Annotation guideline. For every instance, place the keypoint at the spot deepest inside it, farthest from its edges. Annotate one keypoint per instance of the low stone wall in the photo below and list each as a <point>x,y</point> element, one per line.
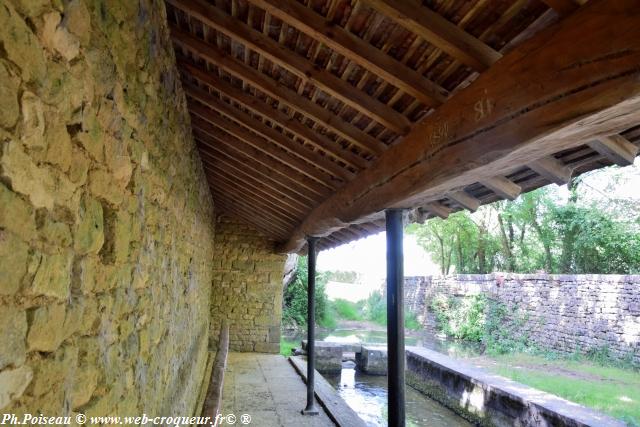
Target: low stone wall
<point>247,288</point>
<point>565,313</point>
<point>490,400</point>
<point>106,219</point>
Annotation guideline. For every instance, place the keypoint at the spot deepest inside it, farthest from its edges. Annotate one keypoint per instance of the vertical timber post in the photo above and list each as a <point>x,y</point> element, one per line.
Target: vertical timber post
<point>395,317</point>
<point>311,329</point>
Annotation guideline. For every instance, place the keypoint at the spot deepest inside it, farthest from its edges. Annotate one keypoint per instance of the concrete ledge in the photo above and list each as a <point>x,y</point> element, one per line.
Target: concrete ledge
<point>347,347</point>
<point>337,409</point>
<point>372,360</point>
<point>328,357</point>
<point>491,400</point>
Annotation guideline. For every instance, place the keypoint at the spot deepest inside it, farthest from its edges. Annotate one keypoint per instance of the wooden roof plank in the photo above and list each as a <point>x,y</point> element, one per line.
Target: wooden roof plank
<point>438,31</point>
<point>294,63</point>
<point>438,209</point>
<point>267,132</point>
<point>251,216</point>
<point>355,49</point>
<point>547,95</point>
<point>616,148</point>
<point>277,116</point>
<point>562,7</point>
<point>279,91</point>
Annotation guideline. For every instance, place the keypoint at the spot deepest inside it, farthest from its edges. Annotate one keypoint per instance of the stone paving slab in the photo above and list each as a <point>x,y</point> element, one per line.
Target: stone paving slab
<point>266,387</point>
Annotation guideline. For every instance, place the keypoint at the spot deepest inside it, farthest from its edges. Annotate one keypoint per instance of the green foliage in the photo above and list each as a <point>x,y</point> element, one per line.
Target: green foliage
<point>537,231</point>
<point>343,276</point>
<point>286,346</point>
<point>504,332</point>
<point>346,309</point>
<point>375,310</point>
<point>294,312</point>
<point>461,318</point>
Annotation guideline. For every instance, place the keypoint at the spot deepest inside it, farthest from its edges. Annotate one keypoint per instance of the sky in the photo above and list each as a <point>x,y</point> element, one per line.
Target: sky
<point>368,256</point>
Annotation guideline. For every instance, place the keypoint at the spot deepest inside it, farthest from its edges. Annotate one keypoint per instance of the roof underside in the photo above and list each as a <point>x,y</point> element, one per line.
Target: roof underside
<point>291,100</point>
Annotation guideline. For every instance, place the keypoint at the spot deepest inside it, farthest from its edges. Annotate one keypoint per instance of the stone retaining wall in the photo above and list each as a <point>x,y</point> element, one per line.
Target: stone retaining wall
<point>565,313</point>
<point>247,288</point>
<point>106,219</point>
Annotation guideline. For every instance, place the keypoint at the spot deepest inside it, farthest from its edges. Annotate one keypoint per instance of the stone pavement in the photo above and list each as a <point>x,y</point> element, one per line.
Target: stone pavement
<point>266,387</point>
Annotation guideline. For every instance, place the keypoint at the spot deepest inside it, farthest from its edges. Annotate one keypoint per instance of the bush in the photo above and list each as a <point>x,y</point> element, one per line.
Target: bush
<point>294,310</point>
<point>375,310</point>
<point>461,318</point>
<point>346,309</point>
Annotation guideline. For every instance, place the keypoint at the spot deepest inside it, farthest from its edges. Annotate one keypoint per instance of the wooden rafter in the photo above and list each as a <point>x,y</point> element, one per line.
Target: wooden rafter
<point>355,49</point>
<point>274,115</point>
<point>552,169</point>
<point>617,148</point>
<point>438,31</point>
<point>294,63</point>
<point>502,187</point>
<point>548,94</point>
<point>204,130</point>
<point>279,91</point>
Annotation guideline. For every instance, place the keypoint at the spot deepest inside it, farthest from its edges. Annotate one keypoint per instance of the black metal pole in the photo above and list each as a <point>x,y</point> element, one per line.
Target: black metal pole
<point>395,317</point>
<point>311,330</point>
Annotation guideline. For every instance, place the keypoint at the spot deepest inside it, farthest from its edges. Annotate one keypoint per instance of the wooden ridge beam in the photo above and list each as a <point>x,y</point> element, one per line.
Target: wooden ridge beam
<point>265,131</point>
<point>502,187</point>
<point>355,49</point>
<point>465,200</point>
<point>272,114</point>
<point>231,166</point>
<point>265,146</point>
<point>616,148</point>
<point>279,92</point>
<point>257,197</point>
<point>551,169</point>
<point>547,95</point>
<point>438,31</point>
<point>295,63</point>
<point>210,146</point>
<point>202,127</point>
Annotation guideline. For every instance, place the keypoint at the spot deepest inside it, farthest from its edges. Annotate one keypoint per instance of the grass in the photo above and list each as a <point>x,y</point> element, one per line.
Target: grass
<point>286,346</point>
<point>612,390</point>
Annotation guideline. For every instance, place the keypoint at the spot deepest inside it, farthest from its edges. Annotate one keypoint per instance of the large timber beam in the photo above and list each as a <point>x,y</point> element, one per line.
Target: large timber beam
<point>549,94</point>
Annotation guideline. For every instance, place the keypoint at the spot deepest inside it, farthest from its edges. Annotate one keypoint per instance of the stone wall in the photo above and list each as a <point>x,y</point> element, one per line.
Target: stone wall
<point>106,220</point>
<point>247,288</point>
<point>564,313</point>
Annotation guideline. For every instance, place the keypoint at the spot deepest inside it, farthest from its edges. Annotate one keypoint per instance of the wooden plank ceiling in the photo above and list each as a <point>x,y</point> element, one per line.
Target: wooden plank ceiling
<point>292,100</point>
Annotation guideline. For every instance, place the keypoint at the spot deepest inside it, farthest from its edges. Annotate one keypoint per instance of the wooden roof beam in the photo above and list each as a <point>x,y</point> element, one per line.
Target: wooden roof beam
<point>502,187</point>
<point>210,146</point>
<point>279,91</point>
<point>438,209</point>
<point>551,169</point>
<point>203,129</point>
<point>438,31</point>
<point>355,49</point>
<point>232,166</point>
<point>616,148</point>
<point>548,94</point>
<point>272,114</point>
<point>562,7</point>
<point>267,132</point>
<point>264,145</point>
<point>295,63</point>
<point>465,200</point>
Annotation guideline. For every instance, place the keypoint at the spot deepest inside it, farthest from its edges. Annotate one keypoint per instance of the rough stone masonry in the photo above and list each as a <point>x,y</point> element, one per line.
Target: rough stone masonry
<point>106,218</point>
<point>565,313</point>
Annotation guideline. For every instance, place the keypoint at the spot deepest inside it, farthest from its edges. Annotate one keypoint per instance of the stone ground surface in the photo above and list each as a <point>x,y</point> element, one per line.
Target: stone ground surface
<point>266,387</point>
